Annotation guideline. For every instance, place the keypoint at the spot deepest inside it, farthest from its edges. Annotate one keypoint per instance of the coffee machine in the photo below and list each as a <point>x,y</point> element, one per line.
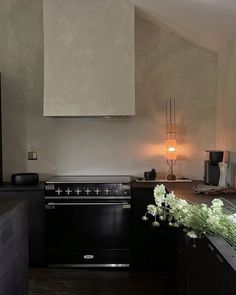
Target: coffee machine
<point>211,166</point>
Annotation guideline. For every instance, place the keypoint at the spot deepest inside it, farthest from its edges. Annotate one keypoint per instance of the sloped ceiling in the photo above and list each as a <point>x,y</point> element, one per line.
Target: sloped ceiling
<point>208,23</point>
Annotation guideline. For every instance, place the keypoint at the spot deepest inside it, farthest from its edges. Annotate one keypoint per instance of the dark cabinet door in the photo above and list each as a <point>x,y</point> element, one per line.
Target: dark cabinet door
<point>36,222</point>
<point>216,273</point>
<point>1,173</point>
<point>202,269</point>
<point>152,247</point>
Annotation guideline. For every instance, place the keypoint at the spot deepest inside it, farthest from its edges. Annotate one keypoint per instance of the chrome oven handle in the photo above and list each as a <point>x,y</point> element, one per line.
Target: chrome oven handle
<point>51,205</point>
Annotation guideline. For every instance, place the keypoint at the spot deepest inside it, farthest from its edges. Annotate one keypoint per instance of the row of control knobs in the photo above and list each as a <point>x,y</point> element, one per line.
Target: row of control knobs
<point>87,191</point>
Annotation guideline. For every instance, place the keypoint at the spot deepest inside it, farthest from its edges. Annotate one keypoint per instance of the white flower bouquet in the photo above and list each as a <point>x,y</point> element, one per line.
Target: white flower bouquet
<point>197,219</point>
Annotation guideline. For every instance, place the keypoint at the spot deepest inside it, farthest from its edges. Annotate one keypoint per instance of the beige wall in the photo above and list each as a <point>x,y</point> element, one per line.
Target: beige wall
<point>226,105</point>
<point>88,58</point>
<point>166,66</point>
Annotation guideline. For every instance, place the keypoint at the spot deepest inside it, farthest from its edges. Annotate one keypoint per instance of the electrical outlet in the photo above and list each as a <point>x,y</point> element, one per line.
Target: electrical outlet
<point>32,155</point>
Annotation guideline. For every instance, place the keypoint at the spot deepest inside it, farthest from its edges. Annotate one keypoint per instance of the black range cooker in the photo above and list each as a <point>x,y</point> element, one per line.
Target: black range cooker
<point>88,221</point>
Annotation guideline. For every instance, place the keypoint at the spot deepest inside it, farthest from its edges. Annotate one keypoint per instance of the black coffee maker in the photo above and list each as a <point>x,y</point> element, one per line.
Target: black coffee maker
<point>211,167</point>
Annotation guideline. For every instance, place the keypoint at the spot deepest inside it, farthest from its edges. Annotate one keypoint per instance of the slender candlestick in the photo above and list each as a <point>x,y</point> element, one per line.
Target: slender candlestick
<point>166,113</point>
<point>174,111</point>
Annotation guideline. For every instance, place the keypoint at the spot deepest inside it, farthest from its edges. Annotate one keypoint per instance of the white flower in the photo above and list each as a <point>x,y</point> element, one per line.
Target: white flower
<point>233,217</point>
<point>213,220</point>
<point>159,190</point>
<point>217,203</point>
<point>175,224</point>
<point>192,234</point>
<point>204,207</point>
<point>196,219</point>
<point>170,199</point>
<point>152,209</point>
<point>159,194</point>
<point>182,203</point>
<point>144,218</point>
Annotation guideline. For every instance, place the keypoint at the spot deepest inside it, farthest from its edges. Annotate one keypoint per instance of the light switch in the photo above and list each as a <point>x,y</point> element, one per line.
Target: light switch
<point>32,155</point>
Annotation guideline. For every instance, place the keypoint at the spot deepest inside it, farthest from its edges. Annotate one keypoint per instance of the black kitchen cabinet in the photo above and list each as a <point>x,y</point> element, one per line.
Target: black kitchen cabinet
<point>13,247</point>
<point>207,269</point>
<point>203,269</point>
<point>34,195</point>
<point>151,247</point>
<point>1,172</point>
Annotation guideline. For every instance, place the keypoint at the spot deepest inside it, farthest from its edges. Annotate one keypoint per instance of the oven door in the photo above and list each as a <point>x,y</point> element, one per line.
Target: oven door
<point>88,233</point>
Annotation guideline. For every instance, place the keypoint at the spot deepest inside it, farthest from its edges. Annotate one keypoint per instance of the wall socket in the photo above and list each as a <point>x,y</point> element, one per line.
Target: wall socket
<point>32,155</point>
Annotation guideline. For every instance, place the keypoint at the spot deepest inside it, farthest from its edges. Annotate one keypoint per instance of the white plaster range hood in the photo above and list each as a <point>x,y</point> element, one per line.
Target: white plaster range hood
<point>88,58</point>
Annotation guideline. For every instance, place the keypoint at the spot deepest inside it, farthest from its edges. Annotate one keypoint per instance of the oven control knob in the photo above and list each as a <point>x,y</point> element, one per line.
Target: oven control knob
<point>97,191</point>
<point>116,191</point>
<point>106,191</point>
<point>78,191</point>
<point>58,191</point>
<point>87,191</point>
<point>68,191</point>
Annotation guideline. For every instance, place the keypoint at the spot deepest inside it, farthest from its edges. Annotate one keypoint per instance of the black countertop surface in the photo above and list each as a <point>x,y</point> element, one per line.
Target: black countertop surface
<point>184,190</point>
<point>8,186</point>
<point>7,204</point>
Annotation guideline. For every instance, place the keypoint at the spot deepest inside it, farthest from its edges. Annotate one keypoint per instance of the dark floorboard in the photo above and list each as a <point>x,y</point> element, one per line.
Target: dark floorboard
<point>99,281</point>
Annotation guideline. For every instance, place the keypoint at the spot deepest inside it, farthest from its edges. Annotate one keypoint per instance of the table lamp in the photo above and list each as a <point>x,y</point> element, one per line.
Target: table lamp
<point>170,137</point>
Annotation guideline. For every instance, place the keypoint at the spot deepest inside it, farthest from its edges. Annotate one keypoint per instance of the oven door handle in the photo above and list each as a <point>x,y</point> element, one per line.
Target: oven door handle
<point>125,205</point>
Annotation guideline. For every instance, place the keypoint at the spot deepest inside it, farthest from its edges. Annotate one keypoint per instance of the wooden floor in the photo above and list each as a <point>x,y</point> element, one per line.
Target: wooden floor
<point>99,282</point>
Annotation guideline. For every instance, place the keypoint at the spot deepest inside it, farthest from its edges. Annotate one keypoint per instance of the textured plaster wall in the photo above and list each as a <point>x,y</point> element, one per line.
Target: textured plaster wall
<point>166,65</point>
<point>88,57</point>
<point>226,105</point>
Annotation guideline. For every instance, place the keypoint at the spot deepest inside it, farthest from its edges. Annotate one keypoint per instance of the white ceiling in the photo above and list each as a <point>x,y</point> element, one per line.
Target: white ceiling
<point>208,23</point>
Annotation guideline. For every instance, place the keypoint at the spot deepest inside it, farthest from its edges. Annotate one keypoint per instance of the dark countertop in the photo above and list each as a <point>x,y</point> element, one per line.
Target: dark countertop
<point>184,190</point>
<point>7,186</point>
<point>7,204</point>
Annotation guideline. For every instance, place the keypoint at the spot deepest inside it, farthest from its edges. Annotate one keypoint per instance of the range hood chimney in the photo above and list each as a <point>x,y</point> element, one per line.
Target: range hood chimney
<point>88,58</point>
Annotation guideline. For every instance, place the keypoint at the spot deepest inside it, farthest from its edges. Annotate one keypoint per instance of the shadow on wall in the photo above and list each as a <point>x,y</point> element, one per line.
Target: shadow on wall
<point>14,121</point>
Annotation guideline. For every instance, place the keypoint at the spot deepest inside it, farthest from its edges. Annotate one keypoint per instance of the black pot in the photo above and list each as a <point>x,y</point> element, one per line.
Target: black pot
<point>150,175</point>
<point>25,178</point>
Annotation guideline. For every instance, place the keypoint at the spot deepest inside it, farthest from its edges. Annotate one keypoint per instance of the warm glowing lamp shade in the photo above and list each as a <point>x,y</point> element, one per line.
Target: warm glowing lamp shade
<point>171,145</point>
<point>171,149</point>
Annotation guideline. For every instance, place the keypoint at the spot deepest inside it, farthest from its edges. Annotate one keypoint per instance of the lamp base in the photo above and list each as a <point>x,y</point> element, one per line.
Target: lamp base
<point>171,177</point>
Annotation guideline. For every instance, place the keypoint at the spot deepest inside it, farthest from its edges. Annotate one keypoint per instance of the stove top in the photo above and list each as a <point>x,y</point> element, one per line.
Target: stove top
<point>90,179</point>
